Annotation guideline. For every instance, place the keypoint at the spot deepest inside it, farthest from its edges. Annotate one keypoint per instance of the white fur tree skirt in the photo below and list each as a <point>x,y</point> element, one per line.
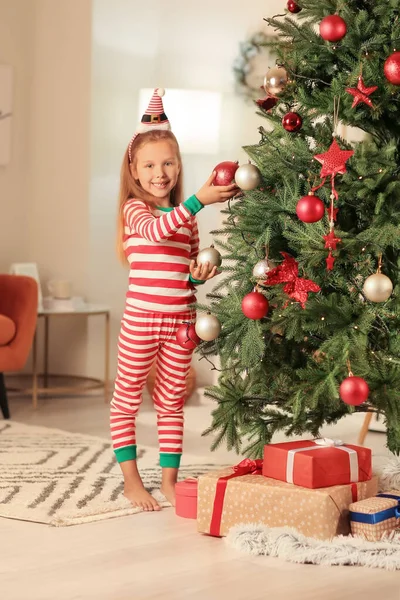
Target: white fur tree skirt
<point>290,545</point>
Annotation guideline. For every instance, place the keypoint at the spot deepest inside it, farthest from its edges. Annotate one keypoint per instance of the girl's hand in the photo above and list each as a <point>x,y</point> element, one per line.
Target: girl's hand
<point>202,272</point>
<point>210,194</point>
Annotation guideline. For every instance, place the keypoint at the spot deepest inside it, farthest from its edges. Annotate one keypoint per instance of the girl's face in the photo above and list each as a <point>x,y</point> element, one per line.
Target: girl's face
<point>157,168</point>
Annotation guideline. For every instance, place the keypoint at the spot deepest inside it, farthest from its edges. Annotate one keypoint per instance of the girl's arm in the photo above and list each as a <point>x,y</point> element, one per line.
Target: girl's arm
<point>194,241</point>
<point>139,218</point>
<point>194,250</point>
<point>156,229</point>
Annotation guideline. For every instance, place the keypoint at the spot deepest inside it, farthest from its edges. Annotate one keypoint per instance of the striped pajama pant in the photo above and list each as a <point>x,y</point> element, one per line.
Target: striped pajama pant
<point>145,337</point>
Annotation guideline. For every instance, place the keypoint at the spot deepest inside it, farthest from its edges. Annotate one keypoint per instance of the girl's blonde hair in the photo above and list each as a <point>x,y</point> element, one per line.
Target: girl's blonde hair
<point>131,188</point>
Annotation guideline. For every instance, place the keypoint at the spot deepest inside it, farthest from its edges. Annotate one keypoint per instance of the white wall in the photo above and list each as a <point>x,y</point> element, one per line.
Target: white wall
<point>172,44</point>
<point>16,37</point>
<point>44,190</point>
<point>74,74</point>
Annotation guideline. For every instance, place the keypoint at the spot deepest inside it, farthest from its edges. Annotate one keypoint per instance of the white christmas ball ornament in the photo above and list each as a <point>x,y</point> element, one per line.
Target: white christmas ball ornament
<point>208,327</point>
<point>248,177</point>
<point>377,287</point>
<point>210,255</point>
<point>261,268</point>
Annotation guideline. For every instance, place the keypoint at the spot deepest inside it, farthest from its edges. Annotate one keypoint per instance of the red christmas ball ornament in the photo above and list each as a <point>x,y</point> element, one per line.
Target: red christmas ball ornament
<point>332,28</point>
<point>391,68</point>
<point>225,172</point>
<point>354,390</point>
<point>310,208</point>
<point>186,336</point>
<point>293,7</point>
<point>255,306</point>
<point>292,122</point>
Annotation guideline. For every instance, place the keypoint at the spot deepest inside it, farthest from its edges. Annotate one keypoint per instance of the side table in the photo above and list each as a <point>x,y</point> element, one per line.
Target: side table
<point>84,384</point>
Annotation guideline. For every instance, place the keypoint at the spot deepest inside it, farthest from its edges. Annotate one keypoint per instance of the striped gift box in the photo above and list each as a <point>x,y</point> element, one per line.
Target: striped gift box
<point>377,517</point>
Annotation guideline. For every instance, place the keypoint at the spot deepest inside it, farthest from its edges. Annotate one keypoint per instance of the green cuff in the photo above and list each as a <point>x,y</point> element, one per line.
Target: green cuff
<point>196,281</point>
<point>193,204</point>
<point>170,460</point>
<point>125,453</point>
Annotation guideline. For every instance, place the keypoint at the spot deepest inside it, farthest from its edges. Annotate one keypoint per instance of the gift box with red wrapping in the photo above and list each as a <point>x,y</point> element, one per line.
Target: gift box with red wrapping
<point>317,464</point>
<point>241,495</point>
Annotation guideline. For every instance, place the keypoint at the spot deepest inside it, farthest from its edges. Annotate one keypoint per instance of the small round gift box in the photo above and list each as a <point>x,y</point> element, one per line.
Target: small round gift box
<point>377,517</point>
<point>186,498</point>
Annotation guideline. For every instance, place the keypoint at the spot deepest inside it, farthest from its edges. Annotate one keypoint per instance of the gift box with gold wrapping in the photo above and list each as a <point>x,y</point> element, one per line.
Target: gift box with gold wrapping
<point>241,495</point>
<point>376,518</point>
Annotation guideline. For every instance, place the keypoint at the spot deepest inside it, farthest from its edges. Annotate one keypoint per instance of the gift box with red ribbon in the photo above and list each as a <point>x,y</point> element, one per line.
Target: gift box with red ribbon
<point>241,495</point>
<point>318,463</point>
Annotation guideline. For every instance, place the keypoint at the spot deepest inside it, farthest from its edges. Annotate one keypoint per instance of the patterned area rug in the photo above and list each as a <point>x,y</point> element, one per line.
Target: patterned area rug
<point>59,478</point>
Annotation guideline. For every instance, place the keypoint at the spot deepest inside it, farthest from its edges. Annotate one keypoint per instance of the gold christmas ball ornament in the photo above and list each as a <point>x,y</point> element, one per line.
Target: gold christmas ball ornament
<point>377,287</point>
<point>261,269</point>
<point>208,327</point>
<point>248,177</point>
<point>276,80</point>
<point>210,255</point>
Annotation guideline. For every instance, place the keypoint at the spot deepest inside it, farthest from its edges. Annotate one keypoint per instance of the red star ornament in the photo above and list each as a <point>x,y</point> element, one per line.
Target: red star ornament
<point>331,241</point>
<point>330,261</point>
<point>296,287</point>
<point>334,160</point>
<point>361,93</point>
<point>332,213</point>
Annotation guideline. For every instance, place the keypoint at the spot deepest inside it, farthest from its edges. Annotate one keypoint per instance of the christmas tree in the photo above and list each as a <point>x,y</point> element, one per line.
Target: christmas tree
<point>309,302</point>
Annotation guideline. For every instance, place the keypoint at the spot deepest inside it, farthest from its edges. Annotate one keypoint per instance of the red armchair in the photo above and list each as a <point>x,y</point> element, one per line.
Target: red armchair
<point>18,315</point>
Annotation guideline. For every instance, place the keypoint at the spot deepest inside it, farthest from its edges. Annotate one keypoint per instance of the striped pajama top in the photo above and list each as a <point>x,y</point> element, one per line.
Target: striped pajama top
<point>159,244</point>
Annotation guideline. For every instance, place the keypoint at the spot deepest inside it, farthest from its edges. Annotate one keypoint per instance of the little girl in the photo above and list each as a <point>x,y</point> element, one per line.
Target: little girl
<point>158,237</point>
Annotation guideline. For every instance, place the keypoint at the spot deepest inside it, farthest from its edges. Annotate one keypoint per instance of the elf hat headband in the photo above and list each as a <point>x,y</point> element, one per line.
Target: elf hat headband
<point>153,118</point>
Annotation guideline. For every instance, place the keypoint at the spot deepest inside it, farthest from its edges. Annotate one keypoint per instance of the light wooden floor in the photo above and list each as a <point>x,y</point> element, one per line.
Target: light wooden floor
<point>148,556</point>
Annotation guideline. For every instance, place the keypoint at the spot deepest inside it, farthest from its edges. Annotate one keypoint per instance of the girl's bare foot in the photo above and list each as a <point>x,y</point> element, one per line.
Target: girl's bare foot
<point>139,497</point>
<point>169,479</point>
<point>133,487</point>
<point>168,490</point>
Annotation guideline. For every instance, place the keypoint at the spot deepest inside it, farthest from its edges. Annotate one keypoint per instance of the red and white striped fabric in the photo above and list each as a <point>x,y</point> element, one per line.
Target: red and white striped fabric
<point>143,337</point>
<point>159,245</point>
<point>156,106</point>
<point>158,119</point>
